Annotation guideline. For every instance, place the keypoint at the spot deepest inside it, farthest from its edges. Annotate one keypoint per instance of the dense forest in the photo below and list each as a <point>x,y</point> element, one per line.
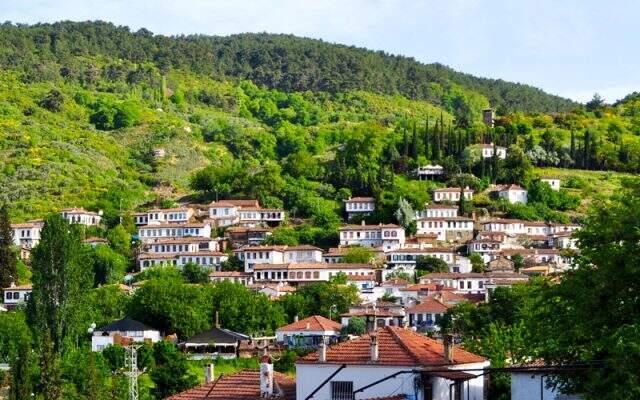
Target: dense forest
<point>283,62</point>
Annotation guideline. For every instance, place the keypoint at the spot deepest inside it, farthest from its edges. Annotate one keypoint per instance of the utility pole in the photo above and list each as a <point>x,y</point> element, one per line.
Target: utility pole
<point>131,369</point>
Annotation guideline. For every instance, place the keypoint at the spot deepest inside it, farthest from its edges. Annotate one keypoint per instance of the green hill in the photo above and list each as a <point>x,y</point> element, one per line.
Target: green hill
<point>85,106</point>
<point>283,62</point>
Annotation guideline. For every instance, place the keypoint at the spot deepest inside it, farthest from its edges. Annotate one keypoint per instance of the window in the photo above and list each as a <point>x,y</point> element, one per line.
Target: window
<point>342,390</point>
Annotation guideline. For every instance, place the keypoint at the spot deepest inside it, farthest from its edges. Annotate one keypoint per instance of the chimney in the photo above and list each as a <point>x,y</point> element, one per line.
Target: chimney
<point>322,351</point>
<point>308,327</point>
<point>448,348</point>
<point>217,320</point>
<point>374,347</point>
<point>362,223</point>
<point>295,318</point>
<point>266,376</point>
<point>208,373</point>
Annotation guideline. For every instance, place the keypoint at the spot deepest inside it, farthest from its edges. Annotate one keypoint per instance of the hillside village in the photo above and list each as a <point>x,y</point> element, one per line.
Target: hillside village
<point>271,217</point>
<point>405,285</point>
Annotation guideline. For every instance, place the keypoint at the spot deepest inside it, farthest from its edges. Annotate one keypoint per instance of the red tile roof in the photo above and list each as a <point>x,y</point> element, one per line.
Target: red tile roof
<point>313,323</point>
<point>428,305</point>
<point>397,346</point>
<point>244,385</point>
<point>360,200</point>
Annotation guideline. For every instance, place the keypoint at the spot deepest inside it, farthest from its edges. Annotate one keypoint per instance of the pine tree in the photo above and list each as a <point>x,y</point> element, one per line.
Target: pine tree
<point>8,259</point>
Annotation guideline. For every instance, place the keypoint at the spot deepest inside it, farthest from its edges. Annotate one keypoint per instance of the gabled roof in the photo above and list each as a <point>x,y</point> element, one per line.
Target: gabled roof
<point>397,346</point>
<point>218,336</point>
<point>395,282</point>
<point>19,287</point>
<point>428,305</point>
<point>512,187</point>
<point>452,189</point>
<point>355,227</point>
<point>125,325</point>
<point>243,385</point>
<point>313,323</point>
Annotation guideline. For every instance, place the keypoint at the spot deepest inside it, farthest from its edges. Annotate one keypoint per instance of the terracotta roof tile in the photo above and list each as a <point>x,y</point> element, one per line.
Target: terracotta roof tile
<point>313,323</point>
<point>397,346</point>
<point>428,305</point>
<point>244,385</point>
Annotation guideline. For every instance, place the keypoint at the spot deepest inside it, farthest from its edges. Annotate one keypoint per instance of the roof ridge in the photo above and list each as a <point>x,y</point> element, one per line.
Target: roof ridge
<point>396,337</point>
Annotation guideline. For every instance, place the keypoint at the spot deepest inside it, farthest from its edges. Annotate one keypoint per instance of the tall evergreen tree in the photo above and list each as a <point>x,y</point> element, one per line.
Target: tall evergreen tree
<point>586,161</point>
<point>21,384</point>
<point>57,302</point>
<point>426,138</point>
<point>435,147</point>
<point>405,143</point>
<point>573,146</point>
<point>414,142</point>
<point>8,258</point>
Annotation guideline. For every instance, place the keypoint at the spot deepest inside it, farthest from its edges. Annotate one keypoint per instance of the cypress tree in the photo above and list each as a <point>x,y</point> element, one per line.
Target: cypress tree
<point>8,259</point>
<point>405,143</point>
<point>21,384</point>
<point>414,142</point>
<point>426,138</point>
<point>573,145</point>
<point>586,161</point>
<point>435,148</point>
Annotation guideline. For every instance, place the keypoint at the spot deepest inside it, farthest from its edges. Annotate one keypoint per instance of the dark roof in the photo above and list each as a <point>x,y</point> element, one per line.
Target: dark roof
<point>218,336</point>
<point>125,325</point>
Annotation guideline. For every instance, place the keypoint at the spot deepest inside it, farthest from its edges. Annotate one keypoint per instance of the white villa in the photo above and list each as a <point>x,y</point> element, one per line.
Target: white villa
<point>473,282</point>
<point>81,216</point>
<point>438,211</point>
<point>254,255</point>
<point>389,236</point>
<point>148,233</point>
<point>508,226</point>
<point>307,272</point>
<point>361,369</point>
<point>27,234</point>
<point>513,194</point>
<point>242,212</point>
<point>208,259</point>
<point>446,228</point>
<point>123,332</point>
<point>16,295</point>
<point>359,206</point>
<point>179,215</point>
<point>451,194</point>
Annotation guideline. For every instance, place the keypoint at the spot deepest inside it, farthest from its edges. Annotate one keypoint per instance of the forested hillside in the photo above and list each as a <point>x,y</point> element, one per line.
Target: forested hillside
<point>96,116</point>
<point>283,62</point>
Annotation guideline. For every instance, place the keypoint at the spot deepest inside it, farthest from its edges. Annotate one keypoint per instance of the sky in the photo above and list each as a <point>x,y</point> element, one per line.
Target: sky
<point>573,48</point>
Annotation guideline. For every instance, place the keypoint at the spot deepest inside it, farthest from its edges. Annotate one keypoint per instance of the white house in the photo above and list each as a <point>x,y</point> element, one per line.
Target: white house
<point>149,233</point>
<point>240,277</point>
<point>487,151</point>
<point>438,211</point>
<point>507,226</point>
<point>15,295</point>
<point>123,332</point>
<point>513,194</point>
<point>302,254</point>
<point>178,215</point>
<point>389,236</point>
<point>553,182</point>
<point>254,255</point>
<point>451,194</point>
<point>27,234</point>
<point>359,206</point>
<point>427,171</point>
<point>188,244</point>
<point>426,314</point>
<point>391,361</point>
<point>81,216</point>
<point>207,259</point>
<point>406,258</point>
<point>244,212</point>
<point>308,332</point>
<point>307,272</point>
<point>473,282</point>
<point>449,229</point>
